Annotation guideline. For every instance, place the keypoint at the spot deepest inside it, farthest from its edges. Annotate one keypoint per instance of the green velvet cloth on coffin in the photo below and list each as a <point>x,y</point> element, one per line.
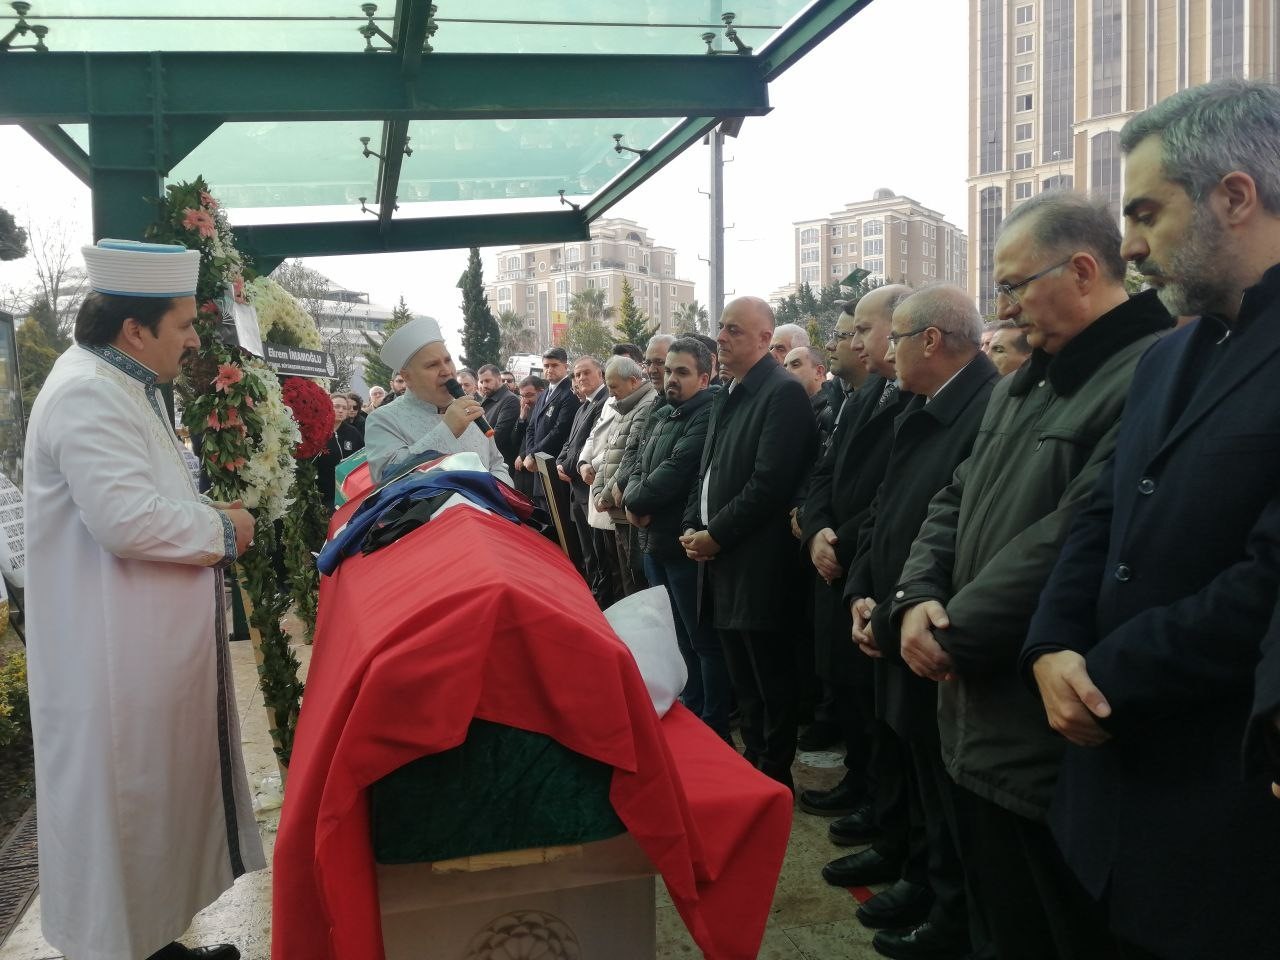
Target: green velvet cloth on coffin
<point>501,789</point>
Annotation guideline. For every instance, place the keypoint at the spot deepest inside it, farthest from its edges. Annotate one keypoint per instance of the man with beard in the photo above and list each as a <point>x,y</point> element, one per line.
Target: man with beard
<point>502,410</point>
<point>655,499</point>
<point>1147,636</point>
<point>984,553</point>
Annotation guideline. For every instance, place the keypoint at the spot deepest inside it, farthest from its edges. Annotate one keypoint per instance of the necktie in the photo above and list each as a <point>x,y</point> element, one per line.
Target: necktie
<point>890,391</point>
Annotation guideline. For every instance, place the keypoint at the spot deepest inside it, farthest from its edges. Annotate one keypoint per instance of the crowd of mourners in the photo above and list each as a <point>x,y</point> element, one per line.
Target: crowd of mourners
<point>1022,574</point>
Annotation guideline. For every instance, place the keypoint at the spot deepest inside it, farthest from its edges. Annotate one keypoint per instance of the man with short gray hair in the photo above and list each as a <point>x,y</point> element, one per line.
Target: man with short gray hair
<point>1146,640</point>
<point>970,584</point>
<point>786,337</point>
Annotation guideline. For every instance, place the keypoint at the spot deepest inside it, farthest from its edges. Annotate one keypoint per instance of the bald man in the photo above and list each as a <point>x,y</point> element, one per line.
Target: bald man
<point>760,440</point>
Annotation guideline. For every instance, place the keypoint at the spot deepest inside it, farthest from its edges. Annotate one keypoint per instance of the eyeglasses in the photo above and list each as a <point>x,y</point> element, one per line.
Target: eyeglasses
<point>893,338</point>
<point>1008,289</point>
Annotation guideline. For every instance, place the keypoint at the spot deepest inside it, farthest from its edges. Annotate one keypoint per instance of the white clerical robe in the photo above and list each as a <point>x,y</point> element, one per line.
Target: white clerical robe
<point>145,811</point>
<point>397,434</point>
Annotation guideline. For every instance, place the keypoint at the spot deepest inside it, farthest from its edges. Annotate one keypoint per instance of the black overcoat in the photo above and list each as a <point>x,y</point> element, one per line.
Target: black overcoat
<point>1166,584</point>
<point>761,439</point>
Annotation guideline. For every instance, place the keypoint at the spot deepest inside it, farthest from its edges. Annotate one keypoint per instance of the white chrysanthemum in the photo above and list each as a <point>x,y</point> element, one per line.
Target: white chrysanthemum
<point>279,310</point>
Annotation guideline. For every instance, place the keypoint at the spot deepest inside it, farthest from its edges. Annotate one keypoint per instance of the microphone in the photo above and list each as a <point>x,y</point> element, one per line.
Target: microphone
<point>456,391</point>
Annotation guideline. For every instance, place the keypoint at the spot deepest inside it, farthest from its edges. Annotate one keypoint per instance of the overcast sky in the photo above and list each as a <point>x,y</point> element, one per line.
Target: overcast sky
<point>880,103</point>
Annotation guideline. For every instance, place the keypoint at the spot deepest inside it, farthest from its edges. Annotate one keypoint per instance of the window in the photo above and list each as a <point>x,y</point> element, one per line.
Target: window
<point>645,261</point>
<point>528,307</point>
<point>837,230</point>
<point>1108,54</point>
<point>809,235</point>
<point>809,274</point>
<point>562,286</point>
<point>667,258</point>
<point>1022,191</point>
<point>870,247</point>
<point>904,246</point>
<point>991,76</point>
<point>595,264</point>
<point>562,303</point>
<point>1022,131</point>
<point>837,249</point>
<point>631,253</point>
<point>575,254</point>
<point>504,294</point>
<point>837,269</point>
<point>591,283</point>
<point>513,263</point>
<point>1024,73</point>
<point>809,256</point>
<point>1022,161</point>
<point>872,228</point>
<point>1025,43</point>
<point>1024,14</point>
<point>671,289</point>
<point>1022,102</point>
<point>875,266</point>
<point>595,249</point>
<point>1057,88</point>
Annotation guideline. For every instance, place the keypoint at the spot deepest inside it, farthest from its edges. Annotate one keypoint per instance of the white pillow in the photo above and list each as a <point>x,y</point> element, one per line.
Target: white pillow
<point>645,623</point>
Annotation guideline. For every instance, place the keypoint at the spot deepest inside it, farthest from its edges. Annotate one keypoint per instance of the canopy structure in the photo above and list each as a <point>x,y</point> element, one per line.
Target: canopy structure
<point>365,108</point>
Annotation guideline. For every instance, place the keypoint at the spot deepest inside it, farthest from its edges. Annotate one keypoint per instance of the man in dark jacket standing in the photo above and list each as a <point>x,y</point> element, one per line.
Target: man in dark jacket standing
<point>588,378</point>
<point>502,410</point>
<point>550,419</point>
<point>1145,644</point>
<point>839,497</point>
<point>985,552</point>
<point>760,440</point>
<point>934,346</point>
<point>655,499</point>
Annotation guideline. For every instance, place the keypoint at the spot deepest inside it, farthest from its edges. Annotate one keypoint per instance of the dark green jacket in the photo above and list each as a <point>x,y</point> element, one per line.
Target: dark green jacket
<point>666,469</point>
<point>991,539</point>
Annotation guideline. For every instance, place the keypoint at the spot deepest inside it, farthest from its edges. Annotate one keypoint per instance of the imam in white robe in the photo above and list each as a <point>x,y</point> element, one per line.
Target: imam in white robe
<point>396,436</point>
<point>145,811</point>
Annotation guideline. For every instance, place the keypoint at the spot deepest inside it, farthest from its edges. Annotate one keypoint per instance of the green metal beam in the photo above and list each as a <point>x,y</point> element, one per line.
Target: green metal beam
<point>65,150</point>
<point>271,243</point>
<point>412,20</point>
<point>812,27</point>
<point>244,86</point>
<point>655,158</point>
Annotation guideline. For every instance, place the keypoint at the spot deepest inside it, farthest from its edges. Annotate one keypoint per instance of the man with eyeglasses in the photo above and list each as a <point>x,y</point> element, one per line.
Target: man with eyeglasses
<point>975,572</point>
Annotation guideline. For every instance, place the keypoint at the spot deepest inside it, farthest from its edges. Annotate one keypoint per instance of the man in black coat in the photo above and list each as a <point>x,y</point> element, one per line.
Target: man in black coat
<point>588,379</point>
<point>502,410</point>
<point>839,497</point>
<point>1146,640</point>
<point>935,348</point>
<point>759,442</point>
<point>1262,743</point>
<point>550,419</point>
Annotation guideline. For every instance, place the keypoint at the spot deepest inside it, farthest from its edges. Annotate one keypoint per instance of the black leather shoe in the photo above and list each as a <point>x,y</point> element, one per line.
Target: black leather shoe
<point>819,735</point>
<point>861,869</point>
<point>903,904</point>
<point>841,800</point>
<point>925,942</point>
<point>857,828</point>
<point>177,951</point>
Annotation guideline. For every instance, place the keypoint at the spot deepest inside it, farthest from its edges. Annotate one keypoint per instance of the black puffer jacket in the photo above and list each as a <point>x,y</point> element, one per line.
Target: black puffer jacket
<point>666,471</point>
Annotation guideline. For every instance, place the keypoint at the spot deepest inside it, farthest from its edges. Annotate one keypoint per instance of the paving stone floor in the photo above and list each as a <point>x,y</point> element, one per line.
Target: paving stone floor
<point>809,919</point>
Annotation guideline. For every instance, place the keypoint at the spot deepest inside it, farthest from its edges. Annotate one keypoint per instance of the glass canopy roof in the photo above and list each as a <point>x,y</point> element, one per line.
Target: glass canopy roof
<point>465,26</point>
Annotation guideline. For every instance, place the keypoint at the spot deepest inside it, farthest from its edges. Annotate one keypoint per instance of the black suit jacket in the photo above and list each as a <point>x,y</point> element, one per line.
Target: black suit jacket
<point>929,441</point>
<point>550,420</point>
<point>1166,585</point>
<point>502,410</point>
<point>584,418</point>
<point>841,490</point>
<point>760,440</point>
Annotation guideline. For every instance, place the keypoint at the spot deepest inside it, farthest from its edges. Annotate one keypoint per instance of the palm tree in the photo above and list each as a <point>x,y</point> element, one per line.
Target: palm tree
<point>690,318</point>
<point>516,335</point>
<point>589,305</point>
<point>589,330</point>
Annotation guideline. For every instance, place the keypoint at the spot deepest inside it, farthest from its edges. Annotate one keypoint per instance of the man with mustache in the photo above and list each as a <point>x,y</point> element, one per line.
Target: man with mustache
<point>1147,637</point>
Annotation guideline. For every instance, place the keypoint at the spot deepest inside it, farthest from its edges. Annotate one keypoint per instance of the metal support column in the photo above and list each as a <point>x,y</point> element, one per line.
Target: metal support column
<point>715,299</point>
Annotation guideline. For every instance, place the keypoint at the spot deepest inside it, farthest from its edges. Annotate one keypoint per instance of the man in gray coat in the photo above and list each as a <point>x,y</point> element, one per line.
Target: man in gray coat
<point>985,551</point>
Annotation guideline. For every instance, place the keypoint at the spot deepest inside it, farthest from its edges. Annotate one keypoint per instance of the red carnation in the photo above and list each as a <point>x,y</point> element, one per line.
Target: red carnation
<point>313,411</point>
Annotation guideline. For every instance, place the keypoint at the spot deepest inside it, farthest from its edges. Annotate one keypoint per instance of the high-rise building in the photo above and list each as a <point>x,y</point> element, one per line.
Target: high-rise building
<point>537,281</point>
<point>895,238</point>
<point>1051,83</point>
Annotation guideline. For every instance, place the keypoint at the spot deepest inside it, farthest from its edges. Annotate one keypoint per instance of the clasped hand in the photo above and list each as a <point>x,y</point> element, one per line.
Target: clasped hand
<point>699,544</point>
<point>1071,701</point>
<point>863,635</point>
<point>920,649</point>
<point>823,554</point>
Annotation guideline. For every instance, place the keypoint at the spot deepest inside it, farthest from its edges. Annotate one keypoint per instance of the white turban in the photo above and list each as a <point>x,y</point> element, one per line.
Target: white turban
<point>127,268</point>
<point>408,340</point>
